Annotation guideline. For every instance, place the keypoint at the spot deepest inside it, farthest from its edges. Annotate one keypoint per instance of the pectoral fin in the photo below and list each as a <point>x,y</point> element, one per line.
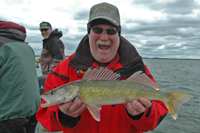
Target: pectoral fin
<point>95,111</point>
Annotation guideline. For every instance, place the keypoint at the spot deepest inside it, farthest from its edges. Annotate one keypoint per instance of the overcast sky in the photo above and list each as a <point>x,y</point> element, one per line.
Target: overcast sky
<point>157,28</point>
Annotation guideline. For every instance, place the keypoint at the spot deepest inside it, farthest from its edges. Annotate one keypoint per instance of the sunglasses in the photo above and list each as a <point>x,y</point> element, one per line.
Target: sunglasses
<point>43,30</point>
<point>99,30</point>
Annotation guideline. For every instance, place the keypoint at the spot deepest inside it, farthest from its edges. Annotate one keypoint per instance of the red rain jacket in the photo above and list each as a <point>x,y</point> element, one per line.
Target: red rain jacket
<point>114,118</point>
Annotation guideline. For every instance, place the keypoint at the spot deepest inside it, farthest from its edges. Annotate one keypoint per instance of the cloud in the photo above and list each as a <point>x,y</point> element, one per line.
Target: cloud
<point>82,15</point>
<point>181,7</point>
<point>160,28</point>
<point>173,34</point>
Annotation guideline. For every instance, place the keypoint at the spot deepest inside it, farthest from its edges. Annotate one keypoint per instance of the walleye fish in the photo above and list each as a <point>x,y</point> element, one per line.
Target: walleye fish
<point>101,86</point>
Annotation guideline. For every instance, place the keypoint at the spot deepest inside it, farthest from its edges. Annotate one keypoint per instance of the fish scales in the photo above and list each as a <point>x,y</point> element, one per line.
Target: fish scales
<point>108,91</point>
<point>105,92</point>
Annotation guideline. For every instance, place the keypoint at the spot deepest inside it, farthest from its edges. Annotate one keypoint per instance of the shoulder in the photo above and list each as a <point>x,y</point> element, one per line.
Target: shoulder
<point>127,71</point>
<point>54,42</point>
<point>63,67</point>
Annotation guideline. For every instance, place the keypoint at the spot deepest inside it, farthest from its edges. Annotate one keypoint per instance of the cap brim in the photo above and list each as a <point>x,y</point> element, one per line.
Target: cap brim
<point>44,28</point>
<point>106,18</point>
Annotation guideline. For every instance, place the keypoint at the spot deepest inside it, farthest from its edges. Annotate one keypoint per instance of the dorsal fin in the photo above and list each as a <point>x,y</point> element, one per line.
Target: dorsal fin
<point>142,78</point>
<point>100,74</point>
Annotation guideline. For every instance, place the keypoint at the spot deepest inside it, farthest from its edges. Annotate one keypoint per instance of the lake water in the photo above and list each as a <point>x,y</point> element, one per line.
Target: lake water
<point>178,76</point>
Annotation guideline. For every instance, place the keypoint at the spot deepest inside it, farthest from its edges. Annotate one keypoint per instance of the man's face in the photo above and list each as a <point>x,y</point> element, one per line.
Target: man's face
<point>45,33</point>
<point>103,46</point>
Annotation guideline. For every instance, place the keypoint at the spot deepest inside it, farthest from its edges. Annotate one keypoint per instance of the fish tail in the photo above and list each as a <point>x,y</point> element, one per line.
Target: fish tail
<point>176,100</point>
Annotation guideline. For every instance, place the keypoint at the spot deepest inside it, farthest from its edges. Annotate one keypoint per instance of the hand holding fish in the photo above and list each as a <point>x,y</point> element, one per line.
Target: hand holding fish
<point>136,107</point>
<point>73,110</point>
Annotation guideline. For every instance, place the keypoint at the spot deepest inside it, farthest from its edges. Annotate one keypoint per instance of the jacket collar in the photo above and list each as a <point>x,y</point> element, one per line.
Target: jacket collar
<point>82,59</point>
<point>54,33</point>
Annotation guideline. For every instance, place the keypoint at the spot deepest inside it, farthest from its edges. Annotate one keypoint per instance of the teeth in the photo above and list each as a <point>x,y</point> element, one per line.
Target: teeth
<point>107,43</point>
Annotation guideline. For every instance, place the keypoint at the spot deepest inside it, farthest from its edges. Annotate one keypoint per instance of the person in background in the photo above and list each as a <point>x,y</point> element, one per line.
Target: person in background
<point>102,46</point>
<point>53,51</point>
<point>19,89</point>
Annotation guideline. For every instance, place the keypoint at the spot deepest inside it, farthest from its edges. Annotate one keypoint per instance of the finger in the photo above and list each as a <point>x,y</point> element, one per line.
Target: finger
<point>138,106</point>
<point>147,103</point>
<point>63,107</point>
<point>77,112</point>
<point>75,105</point>
<point>131,109</point>
<point>127,100</point>
<point>125,104</point>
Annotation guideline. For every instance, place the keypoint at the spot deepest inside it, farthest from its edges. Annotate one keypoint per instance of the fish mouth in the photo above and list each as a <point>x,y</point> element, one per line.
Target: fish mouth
<point>48,102</point>
<point>51,103</point>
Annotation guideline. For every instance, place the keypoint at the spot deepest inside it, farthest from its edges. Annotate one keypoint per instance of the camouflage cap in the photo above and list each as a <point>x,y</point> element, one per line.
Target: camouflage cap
<point>45,25</point>
<point>105,11</point>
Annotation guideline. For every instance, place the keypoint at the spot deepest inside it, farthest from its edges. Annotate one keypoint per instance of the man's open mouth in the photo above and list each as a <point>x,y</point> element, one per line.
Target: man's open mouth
<point>103,47</point>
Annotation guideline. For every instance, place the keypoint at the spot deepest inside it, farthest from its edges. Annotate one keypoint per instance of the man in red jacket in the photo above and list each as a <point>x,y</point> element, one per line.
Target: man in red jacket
<point>102,46</point>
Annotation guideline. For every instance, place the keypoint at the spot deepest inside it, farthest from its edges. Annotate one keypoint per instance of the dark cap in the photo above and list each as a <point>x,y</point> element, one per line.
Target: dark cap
<point>45,25</point>
<point>105,11</point>
<point>11,25</point>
